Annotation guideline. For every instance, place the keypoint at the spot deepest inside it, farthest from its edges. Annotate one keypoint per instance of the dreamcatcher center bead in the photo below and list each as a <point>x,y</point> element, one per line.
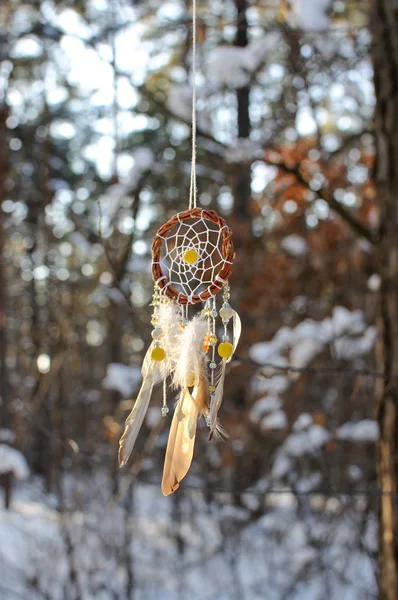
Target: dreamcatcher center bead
<point>191,256</point>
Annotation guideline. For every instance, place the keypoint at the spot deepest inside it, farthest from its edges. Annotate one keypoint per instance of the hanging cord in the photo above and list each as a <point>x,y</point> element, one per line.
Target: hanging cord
<point>192,190</point>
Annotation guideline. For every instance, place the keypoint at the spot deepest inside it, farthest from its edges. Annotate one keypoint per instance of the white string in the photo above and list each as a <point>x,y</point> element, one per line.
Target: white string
<point>192,190</point>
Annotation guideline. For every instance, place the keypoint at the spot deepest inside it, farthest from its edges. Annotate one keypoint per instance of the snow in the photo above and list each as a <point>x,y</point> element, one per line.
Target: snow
<point>179,103</point>
<point>276,420</point>
<point>345,321</point>
<point>346,329</point>
<point>264,405</point>
<point>143,161</point>
<point>288,551</point>
<point>274,385</point>
<point>310,15</point>
<point>303,421</point>
<point>244,150</point>
<point>349,348</point>
<point>302,354</point>
<point>294,245</point>
<point>7,436</point>
<point>111,200</point>
<point>233,67</point>
<point>365,430</point>
<point>78,240</point>
<point>306,442</point>
<point>11,460</point>
<point>374,282</point>
<point>121,378</point>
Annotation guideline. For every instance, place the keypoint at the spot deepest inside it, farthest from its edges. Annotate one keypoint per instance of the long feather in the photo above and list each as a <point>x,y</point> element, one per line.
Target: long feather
<point>220,378</point>
<point>189,355</point>
<point>180,444</point>
<point>134,420</point>
<point>153,372</point>
<point>237,330</point>
<point>217,399</point>
<point>169,321</point>
<point>200,394</point>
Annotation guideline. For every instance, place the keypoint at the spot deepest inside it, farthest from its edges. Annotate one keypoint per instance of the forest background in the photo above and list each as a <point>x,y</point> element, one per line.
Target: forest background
<point>298,151</point>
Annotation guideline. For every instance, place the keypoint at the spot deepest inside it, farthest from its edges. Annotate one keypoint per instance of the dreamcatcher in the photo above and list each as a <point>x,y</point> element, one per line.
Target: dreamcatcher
<point>192,257</point>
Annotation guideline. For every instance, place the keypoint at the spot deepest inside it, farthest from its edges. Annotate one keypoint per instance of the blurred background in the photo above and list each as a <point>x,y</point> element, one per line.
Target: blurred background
<point>95,108</point>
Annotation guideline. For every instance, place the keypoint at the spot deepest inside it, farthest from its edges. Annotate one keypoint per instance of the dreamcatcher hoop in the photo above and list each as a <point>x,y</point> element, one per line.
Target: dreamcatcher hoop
<point>227,252</point>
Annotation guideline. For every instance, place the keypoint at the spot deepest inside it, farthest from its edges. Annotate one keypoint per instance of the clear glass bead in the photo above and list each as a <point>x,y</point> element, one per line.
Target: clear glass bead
<point>157,333</point>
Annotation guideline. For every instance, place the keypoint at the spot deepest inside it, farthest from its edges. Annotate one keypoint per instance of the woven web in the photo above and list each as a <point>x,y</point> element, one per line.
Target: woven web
<point>203,236</point>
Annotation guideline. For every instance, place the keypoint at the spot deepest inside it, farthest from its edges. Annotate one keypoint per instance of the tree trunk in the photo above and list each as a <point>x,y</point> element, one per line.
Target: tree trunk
<point>4,416</point>
<point>242,190</point>
<point>385,56</point>
<point>6,480</point>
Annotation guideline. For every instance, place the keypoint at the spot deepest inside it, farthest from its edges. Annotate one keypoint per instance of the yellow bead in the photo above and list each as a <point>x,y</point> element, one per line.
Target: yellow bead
<point>191,256</point>
<point>212,388</point>
<point>158,353</point>
<point>191,380</point>
<point>225,349</point>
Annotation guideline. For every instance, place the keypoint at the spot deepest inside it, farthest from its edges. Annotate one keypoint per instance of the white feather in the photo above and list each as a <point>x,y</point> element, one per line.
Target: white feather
<point>153,372</point>
<point>217,399</point>
<point>134,420</point>
<point>189,356</point>
<point>220,377</point>
<point>237,330</point>
<point>170,323</point>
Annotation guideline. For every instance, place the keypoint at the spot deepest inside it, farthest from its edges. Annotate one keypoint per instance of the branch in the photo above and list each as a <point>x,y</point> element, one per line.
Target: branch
<point>356,225</point>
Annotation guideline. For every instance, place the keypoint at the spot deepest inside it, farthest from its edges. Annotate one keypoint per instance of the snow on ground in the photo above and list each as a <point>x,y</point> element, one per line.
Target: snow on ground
<point>185,549</point>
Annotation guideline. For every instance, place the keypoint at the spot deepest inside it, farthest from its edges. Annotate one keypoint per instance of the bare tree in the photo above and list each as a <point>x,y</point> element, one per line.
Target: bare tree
<point>385,24</point>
